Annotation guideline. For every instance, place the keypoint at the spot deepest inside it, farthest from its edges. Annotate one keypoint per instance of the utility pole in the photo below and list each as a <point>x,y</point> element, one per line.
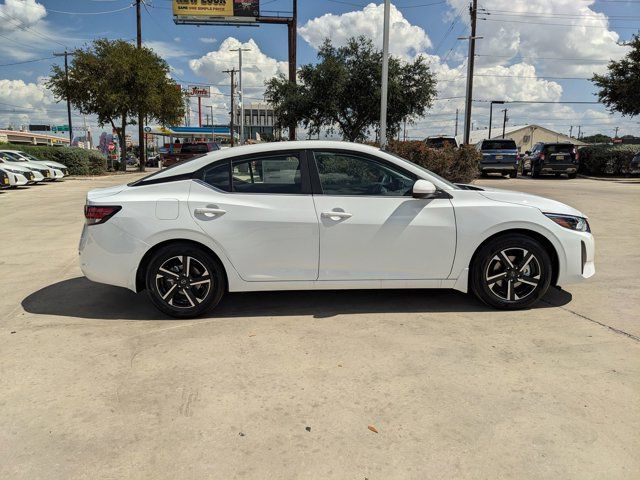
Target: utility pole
<point>473,11</point>
<point>570,131</point>
<point>232,72</point>
<point>579,131</point>
<point>213,128</point>
<point>496,102</point>
<point>240,50</point>
<point>292,33</point>
<point>66,76</point>
<point>616,132</point>
<point>141,145</point>
<point>504,121</point>
<point>456,131</point>
<point>385,75</point>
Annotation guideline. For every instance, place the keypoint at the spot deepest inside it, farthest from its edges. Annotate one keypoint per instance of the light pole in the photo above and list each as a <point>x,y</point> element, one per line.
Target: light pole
<point>497,102</point>
<point>385,75</point>
<point>473,12</point>
<point>66,75</point>
<point>240,50</point>
<point>213,129</point>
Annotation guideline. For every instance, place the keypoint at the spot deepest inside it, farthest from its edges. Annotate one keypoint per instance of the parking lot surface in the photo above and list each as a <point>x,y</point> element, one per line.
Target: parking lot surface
<point>95,383</point>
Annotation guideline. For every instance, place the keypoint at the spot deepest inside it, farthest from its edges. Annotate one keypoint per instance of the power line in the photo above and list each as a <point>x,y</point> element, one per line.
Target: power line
<point>26,61</point>
<point>557,24</point>
<point>90,13</point>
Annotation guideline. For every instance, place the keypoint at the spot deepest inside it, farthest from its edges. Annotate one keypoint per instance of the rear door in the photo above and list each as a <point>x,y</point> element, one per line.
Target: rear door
<point>371,228</point>
<point>260,210</point>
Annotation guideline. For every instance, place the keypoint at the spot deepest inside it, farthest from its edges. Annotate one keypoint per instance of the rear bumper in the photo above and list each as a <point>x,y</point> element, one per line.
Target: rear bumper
<point>498,167</point>
<point>558,168</point>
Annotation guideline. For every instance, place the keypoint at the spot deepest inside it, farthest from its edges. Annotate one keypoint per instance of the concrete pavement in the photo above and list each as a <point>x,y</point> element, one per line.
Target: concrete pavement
<point>97,384</point>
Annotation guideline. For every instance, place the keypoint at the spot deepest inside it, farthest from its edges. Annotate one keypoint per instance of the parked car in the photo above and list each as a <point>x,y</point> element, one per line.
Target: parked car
<point>325,215</point>
<point>48,173</point>
<point>22,174</point>
<point>49,163</point>
<point>6,179</point>
<point>556,158</point>
<point>499,155</point>
<point>441,141</point>
<point>634,166</point>
<point>185,151</point>
<point>152,160</point>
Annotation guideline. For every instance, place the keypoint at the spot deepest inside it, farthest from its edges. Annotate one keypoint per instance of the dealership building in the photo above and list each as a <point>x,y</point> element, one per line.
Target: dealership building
<point>525,136</point>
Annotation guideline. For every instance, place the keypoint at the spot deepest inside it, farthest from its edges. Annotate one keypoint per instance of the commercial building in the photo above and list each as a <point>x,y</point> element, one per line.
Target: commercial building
<point>259,120</point>
<point>31,138</point>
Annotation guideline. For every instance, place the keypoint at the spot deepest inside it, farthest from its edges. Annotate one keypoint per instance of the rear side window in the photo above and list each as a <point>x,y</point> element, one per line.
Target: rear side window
<point>272,174</point>
<point>218,176</point>
<point>499,145</point>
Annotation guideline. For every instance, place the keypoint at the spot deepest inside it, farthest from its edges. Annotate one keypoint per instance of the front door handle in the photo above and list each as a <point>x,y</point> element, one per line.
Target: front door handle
<point>209,212</point>
<point>333,215</point>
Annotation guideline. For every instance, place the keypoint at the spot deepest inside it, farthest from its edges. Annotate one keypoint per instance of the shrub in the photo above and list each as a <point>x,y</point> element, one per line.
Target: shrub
<point>606,159</point>
<point>456,165</point>
<point>77,160</point>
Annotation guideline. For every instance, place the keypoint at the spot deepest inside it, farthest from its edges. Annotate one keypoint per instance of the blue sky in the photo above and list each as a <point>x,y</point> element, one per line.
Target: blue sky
<point>520,55</point>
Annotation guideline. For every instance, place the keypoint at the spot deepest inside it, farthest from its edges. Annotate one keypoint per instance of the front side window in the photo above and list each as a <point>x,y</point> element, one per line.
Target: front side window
<point>273,174</point>
<point>345,174</point>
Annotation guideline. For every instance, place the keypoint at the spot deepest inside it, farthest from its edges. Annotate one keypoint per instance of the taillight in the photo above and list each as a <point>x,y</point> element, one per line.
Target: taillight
<point>576,152</point>
<point>541,157</point>
<point>96,214</point>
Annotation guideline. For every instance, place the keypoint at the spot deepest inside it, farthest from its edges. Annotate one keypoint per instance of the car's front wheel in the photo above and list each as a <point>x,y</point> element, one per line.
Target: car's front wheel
<point>511,272</point>
<point>184,281</point>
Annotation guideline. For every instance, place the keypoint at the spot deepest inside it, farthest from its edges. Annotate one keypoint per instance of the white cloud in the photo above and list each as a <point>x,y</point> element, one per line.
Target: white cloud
<point>17,14</point>
<point>256,66</point>
<point>22,103</point>
<point>405,40</point>
<point>165,50</point>
<point>208,40</point>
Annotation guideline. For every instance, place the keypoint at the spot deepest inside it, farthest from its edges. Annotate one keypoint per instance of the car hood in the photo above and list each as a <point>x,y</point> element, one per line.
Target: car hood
<point>99,193</point>
<point>52,164</point>
<point>545,205</point>
<point>14,166</point>
<point>44,164</point>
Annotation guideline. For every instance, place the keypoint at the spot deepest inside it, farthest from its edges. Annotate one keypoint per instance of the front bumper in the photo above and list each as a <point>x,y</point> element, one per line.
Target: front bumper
<point>19,180</point>
<point>579,261</point>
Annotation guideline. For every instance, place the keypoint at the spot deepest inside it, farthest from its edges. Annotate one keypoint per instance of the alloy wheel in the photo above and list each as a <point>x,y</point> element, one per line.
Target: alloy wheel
<point>183,281</point>
<point>513,274</point>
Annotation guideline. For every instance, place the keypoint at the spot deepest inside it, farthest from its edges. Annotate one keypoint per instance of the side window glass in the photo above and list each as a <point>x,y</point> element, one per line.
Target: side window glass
<point>274,174</point>
<point>217,175</point>
<point>344,174</point>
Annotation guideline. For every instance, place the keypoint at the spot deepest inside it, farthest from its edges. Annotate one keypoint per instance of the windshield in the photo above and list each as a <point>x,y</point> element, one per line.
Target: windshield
<point>499,145</point>
<point>451,186</point>
<point>12,157</point>
<point>30,157</point>
<point>441,142</point>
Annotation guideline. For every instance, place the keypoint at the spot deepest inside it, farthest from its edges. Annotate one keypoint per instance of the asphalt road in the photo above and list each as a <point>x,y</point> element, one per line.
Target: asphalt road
<point>95,383</point>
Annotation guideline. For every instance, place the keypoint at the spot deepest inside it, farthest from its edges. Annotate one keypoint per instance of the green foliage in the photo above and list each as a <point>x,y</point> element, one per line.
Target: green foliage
<point>343,91</point>
<point>78,160</point>
<point>619,88</point>
<point>606,159</point>
<point>456,165</point>
<point>115,81</point>
<point>597,138</point>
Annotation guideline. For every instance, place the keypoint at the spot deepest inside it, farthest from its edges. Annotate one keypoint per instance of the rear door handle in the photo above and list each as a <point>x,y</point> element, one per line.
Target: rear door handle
<point>335,215</point>
<point>209,212</point>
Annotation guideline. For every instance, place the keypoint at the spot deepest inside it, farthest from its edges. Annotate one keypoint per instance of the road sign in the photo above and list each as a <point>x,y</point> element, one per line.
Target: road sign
<point>39,128</point>
<point>60,128</point>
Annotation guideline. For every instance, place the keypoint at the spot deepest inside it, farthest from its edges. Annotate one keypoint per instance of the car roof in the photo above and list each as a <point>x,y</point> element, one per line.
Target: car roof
<point>190,166</point>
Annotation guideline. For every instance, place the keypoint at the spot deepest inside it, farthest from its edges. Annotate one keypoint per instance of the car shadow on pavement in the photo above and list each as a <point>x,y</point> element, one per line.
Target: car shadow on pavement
<point>80,298</point>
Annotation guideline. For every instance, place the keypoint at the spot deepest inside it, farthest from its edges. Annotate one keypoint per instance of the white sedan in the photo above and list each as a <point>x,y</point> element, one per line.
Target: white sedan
<point>21,175</point>
<point>50,171</point>
<point>325,215</point>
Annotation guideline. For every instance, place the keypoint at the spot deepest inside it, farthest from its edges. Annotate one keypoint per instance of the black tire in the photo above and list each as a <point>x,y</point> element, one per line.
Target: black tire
<point>484,174</point>
<point>502,286</point>
<point>183,294</point>
<point>514,174</point>
<point>535,171</point>
<point>572,175</point>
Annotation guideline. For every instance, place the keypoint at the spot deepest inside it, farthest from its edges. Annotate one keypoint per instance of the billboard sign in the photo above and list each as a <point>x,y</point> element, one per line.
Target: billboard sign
<point>199,91</point>
<point>215,11</point>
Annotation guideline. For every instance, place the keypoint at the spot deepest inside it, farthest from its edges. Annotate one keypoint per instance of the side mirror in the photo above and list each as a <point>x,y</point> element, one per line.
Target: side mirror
<point>423,189</point>
<point>527,152</point>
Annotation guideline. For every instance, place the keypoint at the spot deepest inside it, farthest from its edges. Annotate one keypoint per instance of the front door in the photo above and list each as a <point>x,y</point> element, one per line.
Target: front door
<point>259,209</point>
<point>371,228</point>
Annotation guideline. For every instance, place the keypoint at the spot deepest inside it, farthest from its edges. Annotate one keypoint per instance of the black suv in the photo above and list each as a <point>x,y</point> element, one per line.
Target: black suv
<point>555,158</point>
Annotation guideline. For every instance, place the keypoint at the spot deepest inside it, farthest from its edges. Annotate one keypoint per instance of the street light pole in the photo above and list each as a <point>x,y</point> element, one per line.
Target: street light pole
<point>385,75</point>
<point>241,91</point>
<point>497,102</point>
<point>141,145</point>
<point>66,76</point>
<point>504,121</point>
<point>213,129</point>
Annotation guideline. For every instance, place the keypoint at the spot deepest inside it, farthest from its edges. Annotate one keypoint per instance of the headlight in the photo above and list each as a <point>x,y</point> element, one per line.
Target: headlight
<point>19,172</point>
<point>579,224</point>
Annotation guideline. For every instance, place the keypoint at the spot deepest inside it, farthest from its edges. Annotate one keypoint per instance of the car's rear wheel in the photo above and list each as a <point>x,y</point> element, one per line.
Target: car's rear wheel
<point>572,175</point>
<point>535,171</point>
<point>514,174</point>
<point>511,272</point>
<point>184,281</point>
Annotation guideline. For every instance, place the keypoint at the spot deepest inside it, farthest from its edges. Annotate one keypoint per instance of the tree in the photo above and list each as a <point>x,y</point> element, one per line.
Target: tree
<point>343,91</point>
<point>620,86</point>
<point>597,138</point>
<point>114,80</point>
